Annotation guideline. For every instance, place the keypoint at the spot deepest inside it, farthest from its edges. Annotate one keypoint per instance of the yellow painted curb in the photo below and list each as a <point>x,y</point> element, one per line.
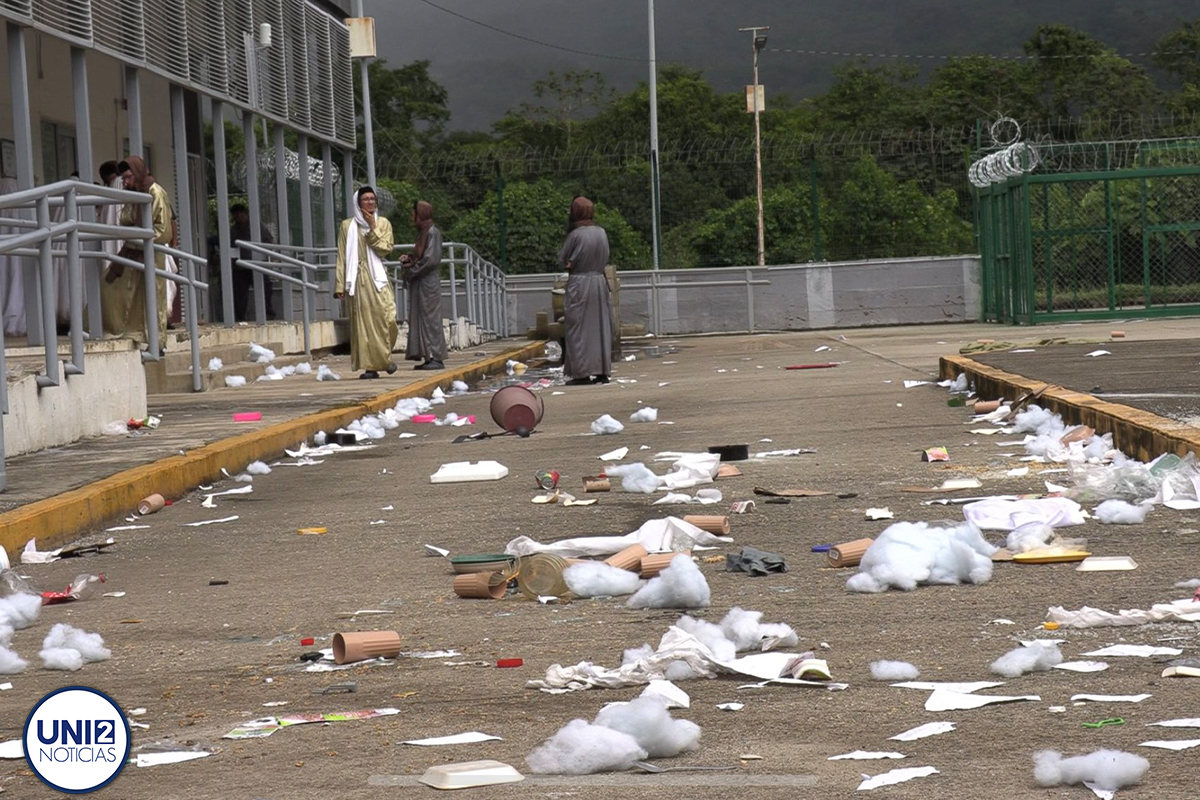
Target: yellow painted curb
<point>1137,433</point>
<point>60,519</point>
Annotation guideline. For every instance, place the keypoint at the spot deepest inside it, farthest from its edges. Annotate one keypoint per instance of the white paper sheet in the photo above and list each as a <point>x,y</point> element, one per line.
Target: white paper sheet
<point>154,759</point>
<point>1082,666</point>
<point>964,688</point>
<point>1087,617</point>
<point>459,738</point>
<point>895,776</point>
<point>1005,515</point>
<point>922,731</point>
<point>1172,744</point>
<point>864,755</point>
<point>731,706</point>
<point>657,535</point>
<point>210,522</point>
<point>942,700</point>
<point>12,749</point>
<point>1135,651</point>
<point>615,455</point>
<point>670,694</point>
<point>208,498</point>
<point>1110,698</point>
<point>1188,722</point>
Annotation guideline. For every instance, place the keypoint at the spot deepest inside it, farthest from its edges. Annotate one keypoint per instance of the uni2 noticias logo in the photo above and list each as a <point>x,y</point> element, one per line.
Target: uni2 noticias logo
<point>76,739</point>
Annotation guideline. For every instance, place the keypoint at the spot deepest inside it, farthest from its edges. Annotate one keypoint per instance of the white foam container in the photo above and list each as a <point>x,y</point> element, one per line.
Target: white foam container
<point>467,471</point>
<point>1106,564</point>
<point>467,774</point>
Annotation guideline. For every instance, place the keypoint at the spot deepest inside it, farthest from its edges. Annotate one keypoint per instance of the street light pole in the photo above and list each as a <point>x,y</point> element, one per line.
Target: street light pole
<point>368,132</point>
<point>758,43</point>
<point>655,212</point>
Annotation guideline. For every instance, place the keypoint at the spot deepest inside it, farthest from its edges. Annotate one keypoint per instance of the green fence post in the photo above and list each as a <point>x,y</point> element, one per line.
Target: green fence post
<point>501,223</point>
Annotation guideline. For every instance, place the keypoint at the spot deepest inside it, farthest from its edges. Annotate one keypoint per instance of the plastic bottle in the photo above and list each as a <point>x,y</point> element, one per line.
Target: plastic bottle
<point>553,351</point>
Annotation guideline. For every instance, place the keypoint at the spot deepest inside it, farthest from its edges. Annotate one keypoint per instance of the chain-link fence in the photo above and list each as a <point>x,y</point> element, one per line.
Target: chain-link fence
<point>1100,229</point>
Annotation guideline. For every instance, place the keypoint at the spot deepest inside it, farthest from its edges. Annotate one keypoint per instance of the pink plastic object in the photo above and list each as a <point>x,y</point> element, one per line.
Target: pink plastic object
<point>424,418</point>
<point>247,416</point>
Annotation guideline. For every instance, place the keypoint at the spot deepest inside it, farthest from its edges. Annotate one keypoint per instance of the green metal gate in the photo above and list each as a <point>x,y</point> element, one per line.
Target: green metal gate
<point>1102,243</point>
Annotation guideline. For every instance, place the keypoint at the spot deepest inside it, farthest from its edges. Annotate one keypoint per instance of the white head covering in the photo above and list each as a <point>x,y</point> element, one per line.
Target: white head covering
<point>354,236</point>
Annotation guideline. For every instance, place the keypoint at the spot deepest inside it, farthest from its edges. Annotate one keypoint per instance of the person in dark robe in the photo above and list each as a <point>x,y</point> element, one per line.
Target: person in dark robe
<point>243,277</point>
<point>421,272</point>
<point>587,314</point>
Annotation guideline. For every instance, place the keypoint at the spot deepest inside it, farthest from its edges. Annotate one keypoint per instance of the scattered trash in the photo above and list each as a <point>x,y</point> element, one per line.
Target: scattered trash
<point>945,700</point>
<point>596,484</point>
<point>731,706</point>
<point>644,414</point>
<point>150,504</point>
<point>247,416</point>
<point>466,471</point>
<point>1082,666</point>
<point>742,507</point>
<point>469,774</point>
<point>935,454</point>
<point>1106,770</point>
<point>599,579</point>
<point>324,373</point>
<point>1175,744</point>
<point>1035,658</point>
<point>923,731</point>
<point>879,513</point>
<point>1134,650</point>
<point>1097,353</point>
<point>170,757</point>
<point>82,588</point>
<point>312,531</point>
<point>480,585</point>
<point>812,366</point>
<point>759,490</point>
<point>863,755</point>
<point>795,451</point>
<point>31,555</point>
<point>637,478</point>
<point>615,455</point>
<point>894,671</point>
<point>473,737</point>
<point>583,748</point>
<point>1118,512</point>
<point>365,645</point>
<point>605,424</point>
<point>895,776</point>
<point>755,562</point>
<point>1106,564</point>
<point>69,648</point>
<point>680,585</point>
<point>264,727</point>
<point>547,479</point>
<point>1109,698</point>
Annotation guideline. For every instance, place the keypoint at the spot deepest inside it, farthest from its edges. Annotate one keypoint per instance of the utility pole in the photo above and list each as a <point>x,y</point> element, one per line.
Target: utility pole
<point>758,42</point>
<point>655,211</point>
<point>368,133</point>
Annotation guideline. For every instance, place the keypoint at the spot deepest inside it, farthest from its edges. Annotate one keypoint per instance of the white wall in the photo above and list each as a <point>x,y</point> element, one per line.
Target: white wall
<point>51,98</point>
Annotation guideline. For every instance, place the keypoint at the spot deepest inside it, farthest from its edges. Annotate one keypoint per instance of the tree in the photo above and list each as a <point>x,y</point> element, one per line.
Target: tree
<point>729,236</point>
<point>1079,76</point>
<point>536,216</point>
<point>979,87</point>
<point>569,98</point>
<point>409,109</point>
<point>870,98</point>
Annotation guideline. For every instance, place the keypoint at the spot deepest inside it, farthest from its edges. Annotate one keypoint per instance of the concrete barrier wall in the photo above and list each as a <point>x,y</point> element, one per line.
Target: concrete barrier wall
<point>848,294</point>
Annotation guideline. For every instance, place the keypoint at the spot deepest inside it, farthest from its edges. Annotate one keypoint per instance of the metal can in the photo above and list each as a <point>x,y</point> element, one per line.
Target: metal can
<point>548,479</point>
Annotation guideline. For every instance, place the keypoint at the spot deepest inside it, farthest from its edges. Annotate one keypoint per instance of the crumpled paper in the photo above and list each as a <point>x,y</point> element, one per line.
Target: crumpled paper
<point>1088,617</point>
<point>657,536</point>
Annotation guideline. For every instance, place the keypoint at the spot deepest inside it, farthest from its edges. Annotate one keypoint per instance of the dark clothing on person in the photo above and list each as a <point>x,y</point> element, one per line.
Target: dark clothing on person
<point>587,311</point>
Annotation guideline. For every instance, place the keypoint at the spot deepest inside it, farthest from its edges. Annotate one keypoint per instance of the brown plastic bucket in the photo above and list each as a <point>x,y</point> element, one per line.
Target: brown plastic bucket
<point>656,563</point>
<point>482,585</point>
<point>363,645</point>
<point>630,558</point>
<point>516,409</point>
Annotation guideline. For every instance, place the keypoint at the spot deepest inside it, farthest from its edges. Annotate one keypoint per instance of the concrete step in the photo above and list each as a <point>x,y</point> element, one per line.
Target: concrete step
<point>232,353</point>
<point>161,381</point>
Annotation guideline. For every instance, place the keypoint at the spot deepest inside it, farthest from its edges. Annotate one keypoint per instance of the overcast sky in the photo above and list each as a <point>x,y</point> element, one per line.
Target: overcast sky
<point>487,72</point>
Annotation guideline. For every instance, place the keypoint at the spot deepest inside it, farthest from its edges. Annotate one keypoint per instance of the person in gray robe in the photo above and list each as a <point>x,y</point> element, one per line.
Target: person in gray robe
<point>587,357</point>
<point>422,274</point>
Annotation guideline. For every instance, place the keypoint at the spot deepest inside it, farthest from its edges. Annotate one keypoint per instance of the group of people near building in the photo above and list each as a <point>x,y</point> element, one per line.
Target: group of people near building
<point>365,239</point>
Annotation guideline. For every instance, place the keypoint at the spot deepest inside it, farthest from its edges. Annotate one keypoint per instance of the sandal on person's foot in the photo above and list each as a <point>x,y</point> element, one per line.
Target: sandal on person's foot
<point>369,375</point>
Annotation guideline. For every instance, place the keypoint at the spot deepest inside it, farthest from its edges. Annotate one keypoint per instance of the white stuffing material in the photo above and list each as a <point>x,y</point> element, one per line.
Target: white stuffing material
<point>635,654</point>
<point>289,370</point>
<point>233,381</point>
<point>959,384</point>
<point>634,477</point>
<point>1039,421</point>
<point>260,354</point>
<point>69,648</point>
<point>747,632</point>
<point>894,671</point>
<point>18,611</point>
<point>324,373</point>
<point>580,748</point>
<point>644,414</point>
<point>908,554</point>
<point>243,478</point>
<point>438,398</point>
<point>1029,536</point>
<point>606,424</point>
<point>459,387</point>
<point>711,636</point>
<point>647,720</point>
<point>1098,447</point>
<point>595,579</point>
<point>303,368</point>
<point>1194,583</point>
<point>319,438</point>
<point>10,662</point>
<point>272,374</point>
<point>1104,769</point>
<point>1118,512</point>
<point>258,468</point>
<point>1037,657</point>
<point>214,364</point>
<point>680,585</point>
<point>409,407</point>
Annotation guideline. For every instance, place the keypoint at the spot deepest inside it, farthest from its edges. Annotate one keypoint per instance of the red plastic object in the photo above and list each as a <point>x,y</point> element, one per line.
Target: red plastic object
<point>247,416</point>
<point>813,366</point>
<point>505,663</point>
<point>424,418</point>
<point>308,641</point>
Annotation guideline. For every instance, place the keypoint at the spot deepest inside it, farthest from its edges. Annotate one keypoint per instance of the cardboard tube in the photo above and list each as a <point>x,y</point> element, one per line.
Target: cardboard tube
<point>148,505</point>
<point>363,645</point>
<point>597,484</point>
<point>848,554</point>
<point>483,585</point>
<point>718,526</point>
<point>656,563</point>
<point>630,558</point>
<point>986,406</point>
